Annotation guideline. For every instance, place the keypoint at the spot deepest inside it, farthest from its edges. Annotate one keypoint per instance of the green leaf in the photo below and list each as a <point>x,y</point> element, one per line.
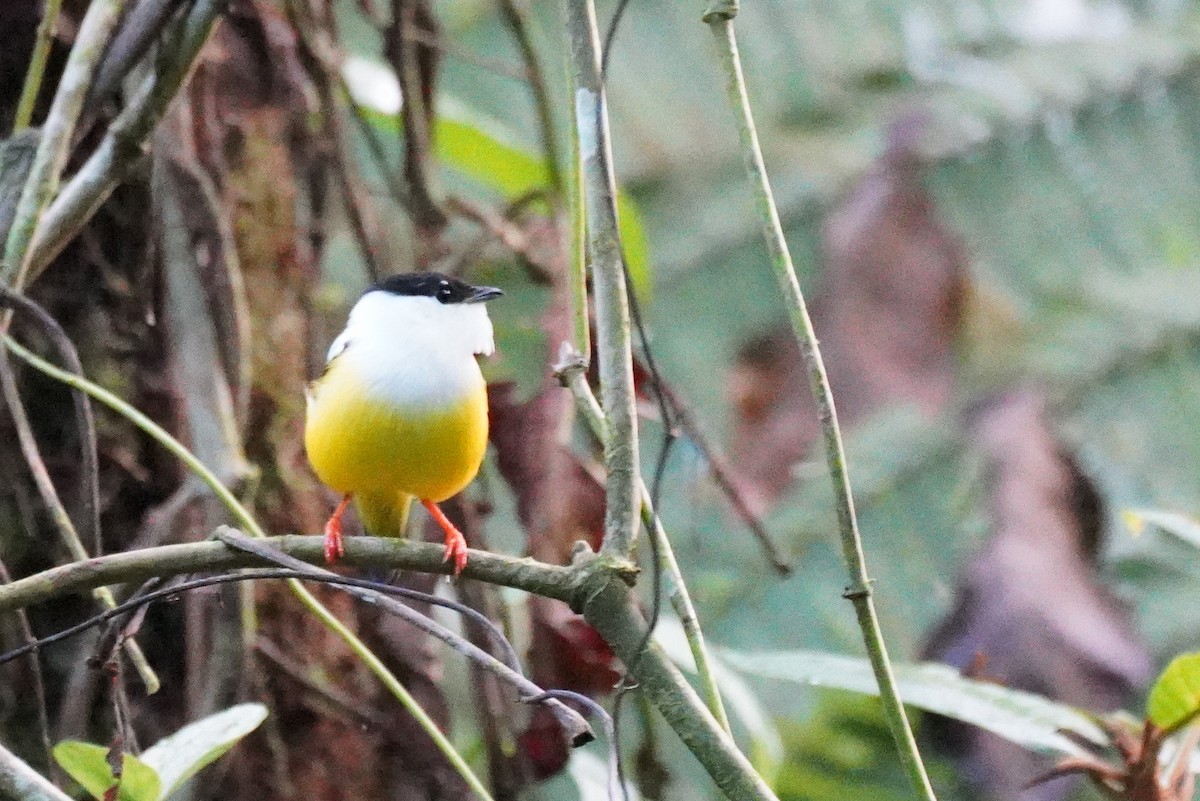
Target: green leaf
<point>87,763</point>
<point>1029,720</point>
<point>1175,698</point>
<point>180,756</point>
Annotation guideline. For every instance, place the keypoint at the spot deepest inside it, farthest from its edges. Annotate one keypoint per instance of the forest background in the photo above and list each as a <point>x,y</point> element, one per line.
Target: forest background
<point>992,207</point>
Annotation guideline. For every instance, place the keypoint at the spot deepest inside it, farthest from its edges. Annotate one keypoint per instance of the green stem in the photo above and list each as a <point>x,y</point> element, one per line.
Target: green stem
<point>57,131</point>
<point>247,522</point>
<point>577,272</point>
<point>613,342</point>
<point>37,66</point>
<point>720,21</point>
<point>681,602</point>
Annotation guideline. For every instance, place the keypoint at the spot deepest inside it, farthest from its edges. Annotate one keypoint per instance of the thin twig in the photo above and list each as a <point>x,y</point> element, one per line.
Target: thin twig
<point>571,371</point>
<point>719,17</point>
<point>35,73</point>
<point>613,343</point>
<point>322,60</point>
<point>720,471</point>
<point>575,726</point>
<point>55,144</point>
<point>57,511</point>
<point>516,16</point>
<point>416,116</point>
<point>35,670</point>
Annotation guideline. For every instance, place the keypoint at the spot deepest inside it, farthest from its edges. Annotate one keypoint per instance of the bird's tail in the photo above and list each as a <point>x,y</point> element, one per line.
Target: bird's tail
<point>384,514</point>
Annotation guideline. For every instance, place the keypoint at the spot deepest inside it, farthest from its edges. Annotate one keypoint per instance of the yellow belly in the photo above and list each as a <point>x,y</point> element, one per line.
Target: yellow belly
<point>366,446</point>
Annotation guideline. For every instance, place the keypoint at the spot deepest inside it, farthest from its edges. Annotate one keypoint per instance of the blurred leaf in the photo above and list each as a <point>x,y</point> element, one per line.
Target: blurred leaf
<point>1181,526</point>
<point>1029,720</point>
<point>87,763</point>
<point>183,754</point>
<point>1175,698</point>
<point>766,746</point>
<point>591,776</point>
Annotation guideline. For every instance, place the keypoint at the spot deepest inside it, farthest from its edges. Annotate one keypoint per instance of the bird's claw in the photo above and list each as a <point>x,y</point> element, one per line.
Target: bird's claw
<point>334,547</point>
<point>456,551</point>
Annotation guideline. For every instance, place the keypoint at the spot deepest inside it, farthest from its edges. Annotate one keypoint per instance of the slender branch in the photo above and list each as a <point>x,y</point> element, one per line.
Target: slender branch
<point>571,371</point>
<point>247,521</point>
<point>58,512</point>
<point>611,611</point>
<point>123,145</point>
<point>613,341</point>
<point>164,561</point>
<point>19,781</point>
<point>516,16</point>
<point>577,271</point>
<point>573,724</point>
<point>35,671</point>
<point>55,144</point>
<point>721,474</point>
<point>34,75</point>
<point>720,20</point>
<point>681,602</point>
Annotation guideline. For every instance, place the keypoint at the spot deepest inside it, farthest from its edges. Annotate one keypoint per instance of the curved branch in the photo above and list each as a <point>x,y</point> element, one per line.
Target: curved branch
<point>551,581</point>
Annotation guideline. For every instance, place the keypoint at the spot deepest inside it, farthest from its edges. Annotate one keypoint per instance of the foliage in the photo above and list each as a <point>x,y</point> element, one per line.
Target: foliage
<point>162,769</point>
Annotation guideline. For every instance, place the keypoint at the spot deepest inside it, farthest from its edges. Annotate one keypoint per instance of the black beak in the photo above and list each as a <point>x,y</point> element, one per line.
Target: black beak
<point>480,294</point>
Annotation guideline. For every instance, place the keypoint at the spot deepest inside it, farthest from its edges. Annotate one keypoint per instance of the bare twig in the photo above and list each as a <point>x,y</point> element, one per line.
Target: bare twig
<point>41,476</point>
<point>415,70</point>
<point>516,16</point>
<point>322,60</point>
<point>35,671</point>
<point>720,472</point>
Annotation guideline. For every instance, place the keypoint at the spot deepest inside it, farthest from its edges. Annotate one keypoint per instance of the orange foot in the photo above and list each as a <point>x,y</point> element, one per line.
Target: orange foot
<point>456,544</point>
<point>334,549</point>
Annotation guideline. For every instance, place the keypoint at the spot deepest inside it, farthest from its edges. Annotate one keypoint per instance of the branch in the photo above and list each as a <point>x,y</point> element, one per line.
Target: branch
<point>123,145</point>
<point>613,342</point>
<point>610,610</point>
<point>572,722</point>
<point>552,581</point>
<point>55,145</point>
<point>719,17</point>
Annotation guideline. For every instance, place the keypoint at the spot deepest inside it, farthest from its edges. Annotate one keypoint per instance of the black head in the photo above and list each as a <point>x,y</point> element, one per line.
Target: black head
<point>445,288</point>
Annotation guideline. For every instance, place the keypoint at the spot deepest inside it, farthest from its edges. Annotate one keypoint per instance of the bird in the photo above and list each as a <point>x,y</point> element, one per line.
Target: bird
<point>400,411</point>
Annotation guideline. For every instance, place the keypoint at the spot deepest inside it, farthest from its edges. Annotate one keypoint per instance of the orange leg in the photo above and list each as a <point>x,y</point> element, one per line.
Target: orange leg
<point>456,545</point>
<point>333,531</point>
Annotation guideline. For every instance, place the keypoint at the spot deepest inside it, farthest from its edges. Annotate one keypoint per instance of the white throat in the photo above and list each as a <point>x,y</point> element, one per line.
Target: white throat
<point>415,350</point>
